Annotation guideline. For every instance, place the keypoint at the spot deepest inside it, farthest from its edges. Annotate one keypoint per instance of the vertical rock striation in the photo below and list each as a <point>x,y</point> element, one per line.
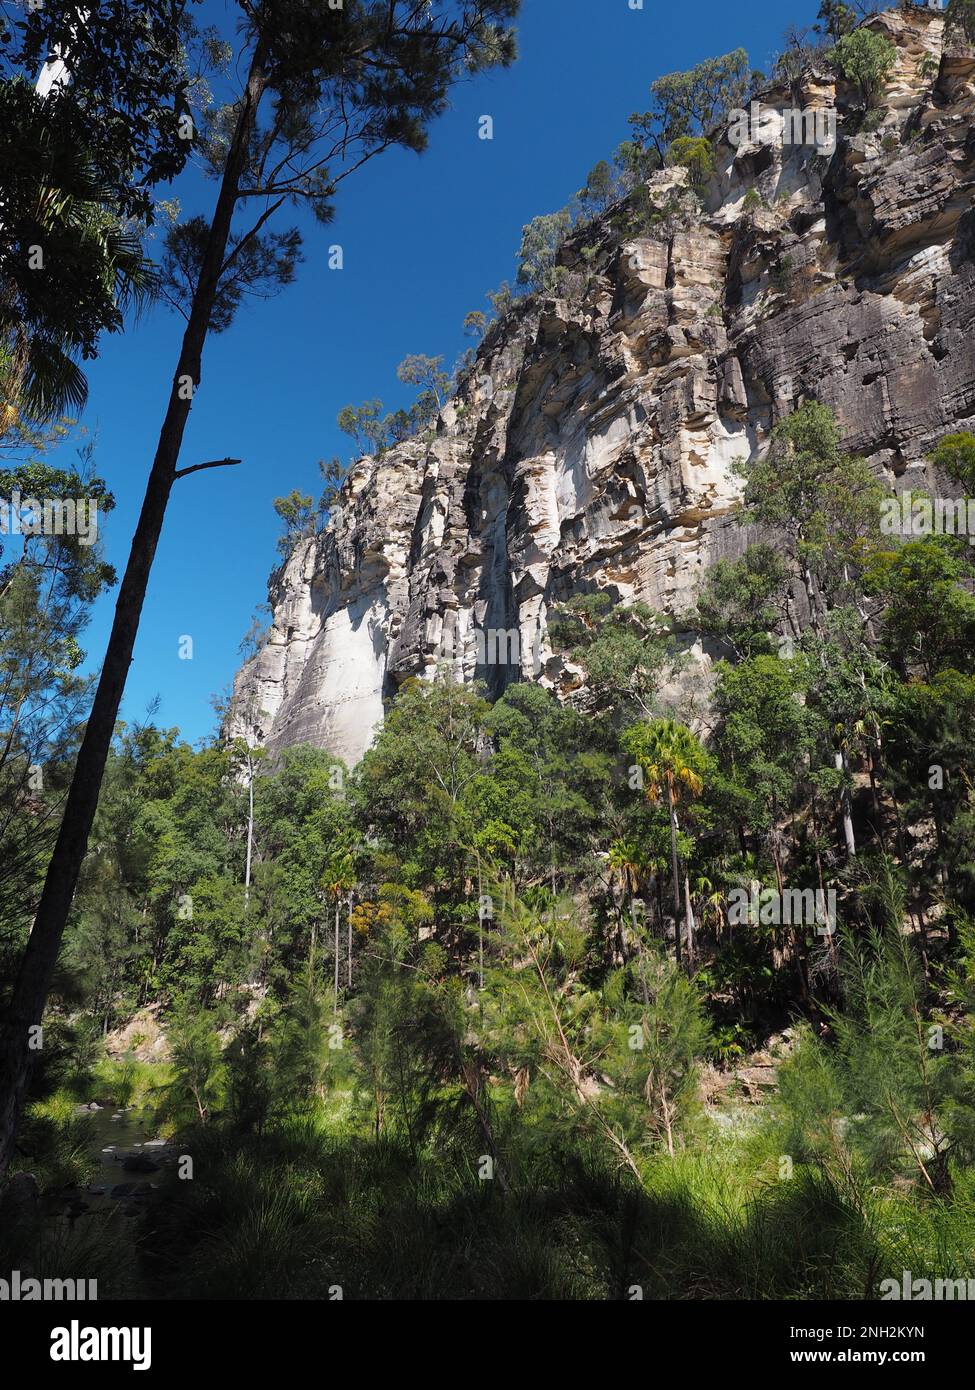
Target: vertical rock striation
<point>590,445</point>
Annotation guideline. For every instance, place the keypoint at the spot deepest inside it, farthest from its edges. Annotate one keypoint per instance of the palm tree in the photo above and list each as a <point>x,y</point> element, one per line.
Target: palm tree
<point>39,373</point>
<point>338,879</point>
<point>670,758</point>
<point>626,867</point>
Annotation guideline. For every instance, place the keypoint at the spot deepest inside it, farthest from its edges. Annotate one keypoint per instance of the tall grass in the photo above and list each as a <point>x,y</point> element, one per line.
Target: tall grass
<point>302,1212</point>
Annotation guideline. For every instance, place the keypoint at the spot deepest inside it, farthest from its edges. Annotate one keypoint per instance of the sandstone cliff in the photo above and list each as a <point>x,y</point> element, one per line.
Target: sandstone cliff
<point>590,446</point>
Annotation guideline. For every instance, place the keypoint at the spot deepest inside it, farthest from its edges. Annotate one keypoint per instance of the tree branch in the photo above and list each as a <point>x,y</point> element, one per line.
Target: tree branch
<point>196,467</point>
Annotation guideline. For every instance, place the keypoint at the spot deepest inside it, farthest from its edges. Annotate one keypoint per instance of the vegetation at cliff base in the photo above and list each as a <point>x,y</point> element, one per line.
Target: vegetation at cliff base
<point>636,965</point>
<point>479,1017</point>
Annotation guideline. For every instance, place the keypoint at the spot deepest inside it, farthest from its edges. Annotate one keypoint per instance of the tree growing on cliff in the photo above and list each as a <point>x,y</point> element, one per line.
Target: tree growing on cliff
<point>955,453</point>
<point>742,601</point>
<point>623,649</point>
<point>865,58</point>
<point>342,86</point>
<point>297,511</point>
<point>541,240</point>
<point>835,19</point>
<point>693,153</point>
<point>426,372</point>
<point>692,102</point>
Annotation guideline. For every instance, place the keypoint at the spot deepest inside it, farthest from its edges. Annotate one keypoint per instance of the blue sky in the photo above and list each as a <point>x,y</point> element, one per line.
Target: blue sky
<point>424,239</point>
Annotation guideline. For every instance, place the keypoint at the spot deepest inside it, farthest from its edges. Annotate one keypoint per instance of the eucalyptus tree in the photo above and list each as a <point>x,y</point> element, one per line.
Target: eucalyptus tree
<point>325,89</point>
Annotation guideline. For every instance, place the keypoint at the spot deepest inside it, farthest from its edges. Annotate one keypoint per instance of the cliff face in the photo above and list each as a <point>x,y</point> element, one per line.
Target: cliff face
<point>590,447</point>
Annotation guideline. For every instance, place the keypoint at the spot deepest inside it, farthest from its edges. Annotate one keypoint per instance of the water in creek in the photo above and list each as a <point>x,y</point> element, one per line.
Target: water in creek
<point>131,1156</point>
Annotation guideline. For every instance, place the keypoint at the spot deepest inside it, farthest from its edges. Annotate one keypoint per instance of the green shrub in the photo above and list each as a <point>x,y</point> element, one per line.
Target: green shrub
<point>866,59</point>
<point>693,153</point>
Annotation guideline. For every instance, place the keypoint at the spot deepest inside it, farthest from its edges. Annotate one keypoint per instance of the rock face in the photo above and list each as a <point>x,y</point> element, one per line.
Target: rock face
<point>590,445</point>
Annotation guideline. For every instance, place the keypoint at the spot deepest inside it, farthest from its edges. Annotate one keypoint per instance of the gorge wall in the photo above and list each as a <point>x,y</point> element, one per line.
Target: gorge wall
<point>590,446</point>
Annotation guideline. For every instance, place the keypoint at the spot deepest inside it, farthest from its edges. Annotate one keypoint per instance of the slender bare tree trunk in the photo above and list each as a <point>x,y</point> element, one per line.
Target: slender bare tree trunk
<point>335,1004</point>
<point>689,912</point>
<point>675,870</point>
<point>349,973</point>
<point>41,954</point>
<point>839,759</point>
<point>250,830</point>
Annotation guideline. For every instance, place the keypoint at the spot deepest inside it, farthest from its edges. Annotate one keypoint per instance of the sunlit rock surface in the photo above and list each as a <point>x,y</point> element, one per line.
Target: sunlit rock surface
<point>591,446</point>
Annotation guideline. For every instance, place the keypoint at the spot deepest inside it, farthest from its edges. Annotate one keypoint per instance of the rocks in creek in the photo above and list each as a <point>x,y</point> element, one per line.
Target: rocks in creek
<point>590,446</point>
<point>136,1191</point>
<point>139,1163</point>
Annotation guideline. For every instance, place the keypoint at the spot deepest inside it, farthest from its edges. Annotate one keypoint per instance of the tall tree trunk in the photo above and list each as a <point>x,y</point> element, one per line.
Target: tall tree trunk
<point>250,831</point>
<point>689,913</point>
<point>675,870</point>
<point>41,954</point>
<point>335,1004</point>
<point>839,760</point>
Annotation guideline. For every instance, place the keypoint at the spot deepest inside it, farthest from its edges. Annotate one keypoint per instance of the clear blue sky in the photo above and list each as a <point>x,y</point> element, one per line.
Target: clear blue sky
<point>424,238</point>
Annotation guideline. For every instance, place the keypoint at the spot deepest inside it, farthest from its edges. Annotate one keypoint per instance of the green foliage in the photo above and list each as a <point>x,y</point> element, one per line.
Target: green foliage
<point>597,193</point>
<point>658,1040</point>
<point>434,1043</point>
<point>835,19</point>
<point>741,601</point>
<point>48,582</point>
<point>418,370</point>
<point>475,324</point>
<point>79,165</point>
<point>296,511</point>
<point>694,102</point>
<point>693,153</point>
<point>197,1066</point>
<point>929,618</point>
<point>364,425</point>
<point>541,240</point>
<point>955,453</point>
<point>827,503</point>
<point>256,267</point>
<point>887,1092</point>
<point>374,432</point>
<point>865,58</point>
<point>500,299</point>
<point>624,651</point>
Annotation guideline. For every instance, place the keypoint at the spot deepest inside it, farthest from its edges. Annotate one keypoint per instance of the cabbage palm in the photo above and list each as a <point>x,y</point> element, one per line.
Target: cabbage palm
<point>39,375</point>
<point>70,266</point>
<point>671,759</point>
